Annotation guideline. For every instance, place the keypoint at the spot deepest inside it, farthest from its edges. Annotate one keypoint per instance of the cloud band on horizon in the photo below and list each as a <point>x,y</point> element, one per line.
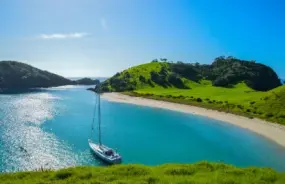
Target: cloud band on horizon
<point>62,36</point>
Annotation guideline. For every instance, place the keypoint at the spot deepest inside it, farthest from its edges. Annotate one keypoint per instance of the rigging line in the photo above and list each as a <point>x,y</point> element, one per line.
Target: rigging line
<point>99,116</point>
<point>94,113</point>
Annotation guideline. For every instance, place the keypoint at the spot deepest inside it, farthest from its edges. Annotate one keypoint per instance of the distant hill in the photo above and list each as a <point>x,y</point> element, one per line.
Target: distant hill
<point>87,81</point>
<point>17,75</point>
<point>223,72</point>
<point>101,79</point>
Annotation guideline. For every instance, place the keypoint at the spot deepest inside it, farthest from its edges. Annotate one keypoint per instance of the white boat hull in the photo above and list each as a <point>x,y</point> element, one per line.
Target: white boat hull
<point>99,151</point>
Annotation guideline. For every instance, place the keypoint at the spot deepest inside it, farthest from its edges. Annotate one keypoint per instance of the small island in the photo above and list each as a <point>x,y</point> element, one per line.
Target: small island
<point>87,81</point>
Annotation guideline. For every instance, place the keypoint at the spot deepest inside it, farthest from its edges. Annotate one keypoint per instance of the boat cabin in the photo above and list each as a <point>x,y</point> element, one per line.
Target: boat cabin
<point>109,152</point>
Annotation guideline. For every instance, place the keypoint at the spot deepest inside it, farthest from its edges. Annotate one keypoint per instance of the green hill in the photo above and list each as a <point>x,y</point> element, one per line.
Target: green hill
<point>236,86</point>
<point>17,75</point>
<point>201,173</point>
<point>223,72</point>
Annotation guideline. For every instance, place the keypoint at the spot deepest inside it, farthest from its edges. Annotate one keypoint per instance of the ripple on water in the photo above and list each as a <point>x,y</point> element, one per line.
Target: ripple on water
<point>24,145</point>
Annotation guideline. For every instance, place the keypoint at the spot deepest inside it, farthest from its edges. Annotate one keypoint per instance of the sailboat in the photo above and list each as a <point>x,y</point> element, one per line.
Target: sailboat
<point>103,152</point>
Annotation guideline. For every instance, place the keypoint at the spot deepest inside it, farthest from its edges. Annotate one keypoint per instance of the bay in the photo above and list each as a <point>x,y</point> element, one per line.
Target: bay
<point>49,128</point>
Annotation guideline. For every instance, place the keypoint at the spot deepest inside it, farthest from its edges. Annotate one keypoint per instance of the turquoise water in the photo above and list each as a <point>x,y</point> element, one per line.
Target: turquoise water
<point>50,128</point>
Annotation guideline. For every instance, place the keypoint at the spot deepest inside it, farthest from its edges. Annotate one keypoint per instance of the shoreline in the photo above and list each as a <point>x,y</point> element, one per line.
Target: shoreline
<point>272,131</point>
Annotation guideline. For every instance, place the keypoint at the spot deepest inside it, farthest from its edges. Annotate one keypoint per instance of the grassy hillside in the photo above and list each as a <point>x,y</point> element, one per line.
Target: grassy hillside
<point>235,86</point>
<point>200,173</point>
<point>223,72</point>
<point>273,103</point>
<point>240,99</point>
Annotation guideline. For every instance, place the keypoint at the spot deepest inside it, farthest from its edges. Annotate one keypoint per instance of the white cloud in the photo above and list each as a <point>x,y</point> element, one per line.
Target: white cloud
<point>103,23</point>
<point>62,36</point>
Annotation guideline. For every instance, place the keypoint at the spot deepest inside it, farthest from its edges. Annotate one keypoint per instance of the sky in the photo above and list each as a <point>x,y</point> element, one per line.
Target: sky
<point>78,38</point>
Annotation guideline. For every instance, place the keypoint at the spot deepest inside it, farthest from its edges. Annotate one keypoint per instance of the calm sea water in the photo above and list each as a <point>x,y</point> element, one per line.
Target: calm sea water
<point>50,128</point>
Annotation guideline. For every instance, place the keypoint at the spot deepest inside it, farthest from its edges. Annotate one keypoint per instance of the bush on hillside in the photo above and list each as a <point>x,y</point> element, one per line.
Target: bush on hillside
<point>199,100</point>
<point>142,79</point>
<point>230,71</point>
<point>176,81</point>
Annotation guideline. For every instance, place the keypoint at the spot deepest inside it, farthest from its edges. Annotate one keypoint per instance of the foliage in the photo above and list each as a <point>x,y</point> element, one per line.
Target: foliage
<point>19,75</point>
<point>202,173</point>
<point>223,72</point>
<point>230,71</point>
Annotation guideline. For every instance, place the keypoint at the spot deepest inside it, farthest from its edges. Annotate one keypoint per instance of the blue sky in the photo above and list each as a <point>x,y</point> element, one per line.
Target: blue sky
<point>77,38</point>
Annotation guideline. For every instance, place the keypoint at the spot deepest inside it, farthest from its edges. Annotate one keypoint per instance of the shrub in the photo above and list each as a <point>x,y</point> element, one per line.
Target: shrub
<point>269,115</point>
<point>182,171</point>
<point>127,75</point>
<point>248,110</point>
<point>142,79</point>
<point>63,175</point>
<point>151,180</point>
<point>150,83</point>
<point>253,102</point>
<point>176,81</point>
<point>199,100</point>
<point>240,106</point>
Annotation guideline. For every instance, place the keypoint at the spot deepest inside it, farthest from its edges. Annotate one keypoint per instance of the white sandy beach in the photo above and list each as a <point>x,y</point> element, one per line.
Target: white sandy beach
<point>272,131</point>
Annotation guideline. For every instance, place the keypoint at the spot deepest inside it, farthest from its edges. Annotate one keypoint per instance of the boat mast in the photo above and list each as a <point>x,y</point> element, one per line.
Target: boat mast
<point>99,115</point>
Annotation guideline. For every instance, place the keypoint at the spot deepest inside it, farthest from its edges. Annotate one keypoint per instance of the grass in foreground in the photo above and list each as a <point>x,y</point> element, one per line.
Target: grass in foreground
<point>200,173</point>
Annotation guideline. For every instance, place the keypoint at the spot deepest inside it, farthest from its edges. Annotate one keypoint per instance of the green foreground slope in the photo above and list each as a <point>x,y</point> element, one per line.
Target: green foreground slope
<point>200,173</point>
<point>230,85</point>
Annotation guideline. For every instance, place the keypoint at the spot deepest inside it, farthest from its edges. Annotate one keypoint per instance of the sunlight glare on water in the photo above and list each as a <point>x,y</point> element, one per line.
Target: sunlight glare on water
<point>24,145</point>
